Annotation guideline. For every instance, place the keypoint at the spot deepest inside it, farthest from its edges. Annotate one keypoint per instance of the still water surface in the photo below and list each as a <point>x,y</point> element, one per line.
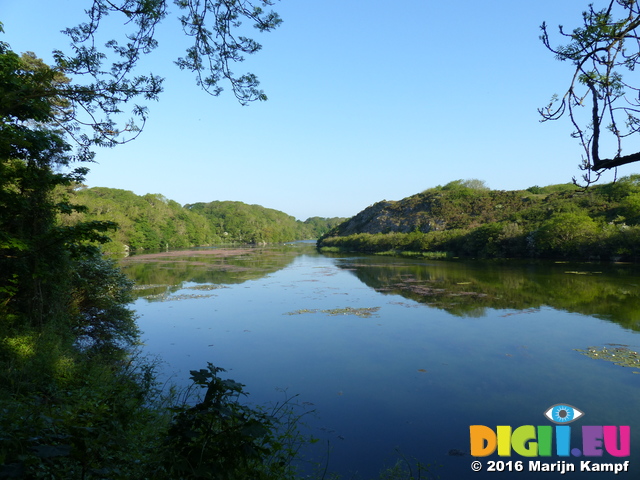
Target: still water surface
<point>402,353</point>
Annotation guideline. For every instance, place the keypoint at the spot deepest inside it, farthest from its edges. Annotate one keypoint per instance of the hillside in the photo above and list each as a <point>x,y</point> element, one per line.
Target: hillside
<point>464,218</point>
<point>239,222</point>
<point>154,222</point>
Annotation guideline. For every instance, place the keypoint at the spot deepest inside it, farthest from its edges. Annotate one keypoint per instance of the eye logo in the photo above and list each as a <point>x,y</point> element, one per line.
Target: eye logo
<point>562,413</point>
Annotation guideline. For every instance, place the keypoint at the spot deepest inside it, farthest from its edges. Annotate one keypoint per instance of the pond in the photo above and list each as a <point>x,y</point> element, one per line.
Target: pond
<point>399,357</point>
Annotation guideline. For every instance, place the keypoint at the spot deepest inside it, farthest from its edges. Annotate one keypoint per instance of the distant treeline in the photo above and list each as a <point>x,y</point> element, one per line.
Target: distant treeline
<point>464,218</point>
<point>152,222</point>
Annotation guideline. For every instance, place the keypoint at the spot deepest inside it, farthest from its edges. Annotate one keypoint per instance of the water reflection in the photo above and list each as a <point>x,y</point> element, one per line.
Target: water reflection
<point>608,291</point>
<point>468,288</point>
<point>392,352</point>
<point>159,276</point>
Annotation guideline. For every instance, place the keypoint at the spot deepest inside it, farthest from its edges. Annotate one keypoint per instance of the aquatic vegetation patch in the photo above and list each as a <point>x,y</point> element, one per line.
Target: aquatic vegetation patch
<point>163,297</point>
<point>187,297</point>
<point>206,287</point>
<point>149,287</point>
<point>618,354</point>
<point>358,312</point>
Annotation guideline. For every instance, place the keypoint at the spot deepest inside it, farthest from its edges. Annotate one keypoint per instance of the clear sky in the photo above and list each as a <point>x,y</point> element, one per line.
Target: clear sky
<point>368,100</point>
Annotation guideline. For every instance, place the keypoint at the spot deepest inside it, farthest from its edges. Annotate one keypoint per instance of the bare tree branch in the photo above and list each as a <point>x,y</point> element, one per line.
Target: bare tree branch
<point>106,84</point>
<point>601,50</point>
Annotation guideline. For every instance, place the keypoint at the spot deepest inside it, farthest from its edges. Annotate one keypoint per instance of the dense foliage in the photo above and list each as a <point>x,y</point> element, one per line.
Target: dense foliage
<point>602,222</point>
<point>63,316</point>
<point>153,222</point>
<point>148,222</point>
<point>239,222</point>
<point>75,403</point>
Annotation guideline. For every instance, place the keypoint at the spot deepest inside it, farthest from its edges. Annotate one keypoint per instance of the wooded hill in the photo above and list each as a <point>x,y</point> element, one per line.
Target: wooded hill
<point>153,222</point>
<point>464,218</point>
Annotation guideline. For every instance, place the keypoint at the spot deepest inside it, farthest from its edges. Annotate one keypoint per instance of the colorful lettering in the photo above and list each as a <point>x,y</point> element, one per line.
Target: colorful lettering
<point>611,440</point>
<point>483,441</point>
<point>531,441</point>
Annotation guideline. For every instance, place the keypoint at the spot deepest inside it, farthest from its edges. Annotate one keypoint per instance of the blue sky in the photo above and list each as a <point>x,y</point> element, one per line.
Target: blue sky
<point>368,100</point>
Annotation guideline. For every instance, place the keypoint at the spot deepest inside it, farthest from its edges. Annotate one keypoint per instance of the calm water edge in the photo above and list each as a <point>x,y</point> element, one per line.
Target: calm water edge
<point>404,355</point>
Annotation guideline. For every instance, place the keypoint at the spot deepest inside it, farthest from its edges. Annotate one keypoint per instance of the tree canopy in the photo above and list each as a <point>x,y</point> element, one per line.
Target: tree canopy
<point>106,85</point>
<point>75,402</point>
<point>153,222</point>
<point>603,50</point>
<point>48,122</point>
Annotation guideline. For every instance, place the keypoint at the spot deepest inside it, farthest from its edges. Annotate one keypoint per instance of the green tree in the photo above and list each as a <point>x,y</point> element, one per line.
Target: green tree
<point>43,114</point>
<point>567,234</point>
<point>602,50</point>
<point>34,250</point>
<point>69,407</point>
<point>239,222</point>
<point>471,183</point>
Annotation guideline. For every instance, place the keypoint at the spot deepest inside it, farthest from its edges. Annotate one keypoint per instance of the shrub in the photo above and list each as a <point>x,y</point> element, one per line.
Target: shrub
<point>566,234</point>
<point>220,438</point>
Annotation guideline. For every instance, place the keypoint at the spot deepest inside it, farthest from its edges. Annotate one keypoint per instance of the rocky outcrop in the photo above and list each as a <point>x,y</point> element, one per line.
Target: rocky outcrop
<point>435,209</point>
<point>391,216</point>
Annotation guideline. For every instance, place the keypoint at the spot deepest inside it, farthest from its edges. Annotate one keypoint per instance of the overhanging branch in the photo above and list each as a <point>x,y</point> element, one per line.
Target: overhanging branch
<point>615,162</point>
